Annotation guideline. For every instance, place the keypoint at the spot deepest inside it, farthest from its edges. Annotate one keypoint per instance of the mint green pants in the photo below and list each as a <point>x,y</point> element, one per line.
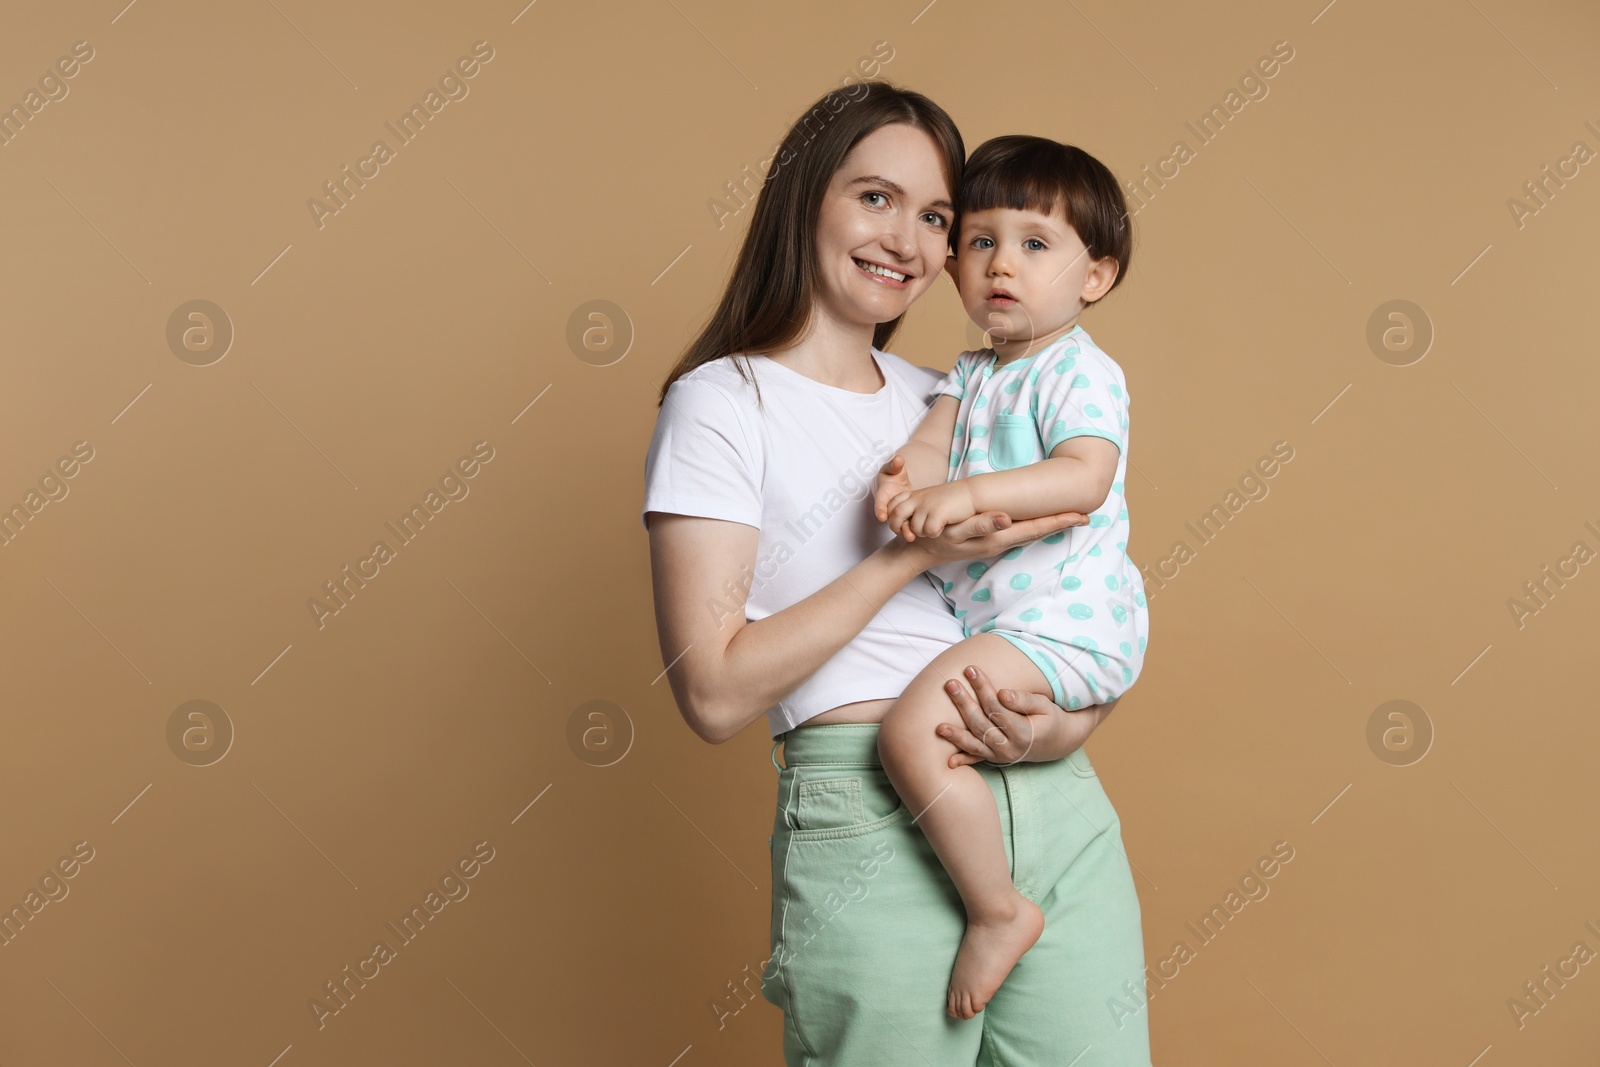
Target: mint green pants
<point>866,923</point>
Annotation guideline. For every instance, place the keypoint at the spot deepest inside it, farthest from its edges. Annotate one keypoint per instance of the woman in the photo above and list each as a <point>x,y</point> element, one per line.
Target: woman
<point>777,592</point>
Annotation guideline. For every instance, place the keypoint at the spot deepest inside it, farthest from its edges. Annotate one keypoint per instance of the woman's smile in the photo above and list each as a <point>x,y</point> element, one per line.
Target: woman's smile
<point>881,274</point>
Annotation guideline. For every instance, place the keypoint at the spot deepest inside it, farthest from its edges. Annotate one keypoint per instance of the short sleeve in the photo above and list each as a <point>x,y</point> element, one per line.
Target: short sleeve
<point>701,460</point>
<point>1080,394</point>
<point>955,383</point>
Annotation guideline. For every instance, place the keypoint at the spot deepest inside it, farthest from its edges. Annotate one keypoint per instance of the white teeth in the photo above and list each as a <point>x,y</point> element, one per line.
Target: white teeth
<point>873,268</point>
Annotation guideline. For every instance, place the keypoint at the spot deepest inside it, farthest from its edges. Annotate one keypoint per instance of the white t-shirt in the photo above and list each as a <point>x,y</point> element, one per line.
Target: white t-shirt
<point>800,470</point>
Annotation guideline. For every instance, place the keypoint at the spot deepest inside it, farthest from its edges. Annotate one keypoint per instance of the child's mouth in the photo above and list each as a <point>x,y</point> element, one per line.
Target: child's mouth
<point>1001,298</point>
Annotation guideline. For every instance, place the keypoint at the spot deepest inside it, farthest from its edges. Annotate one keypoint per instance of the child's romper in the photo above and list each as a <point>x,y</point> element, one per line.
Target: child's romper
<point>1072,601</point>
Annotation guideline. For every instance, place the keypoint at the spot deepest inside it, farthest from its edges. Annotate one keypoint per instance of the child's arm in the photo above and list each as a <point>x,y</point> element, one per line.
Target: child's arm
<point>924,459</point>
<point>1076,476</point>
<point>928,451</point>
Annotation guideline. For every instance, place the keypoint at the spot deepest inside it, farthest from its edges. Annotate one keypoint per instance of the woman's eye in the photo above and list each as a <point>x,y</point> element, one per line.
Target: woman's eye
<point>937,219</point>
<point>874,192</point>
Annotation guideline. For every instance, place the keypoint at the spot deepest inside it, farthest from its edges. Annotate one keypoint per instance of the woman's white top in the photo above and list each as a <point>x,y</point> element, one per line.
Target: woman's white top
<point>800,470</point>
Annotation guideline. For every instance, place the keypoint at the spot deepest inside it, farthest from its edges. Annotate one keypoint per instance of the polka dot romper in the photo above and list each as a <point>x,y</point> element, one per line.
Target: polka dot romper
<point>1072,601</point>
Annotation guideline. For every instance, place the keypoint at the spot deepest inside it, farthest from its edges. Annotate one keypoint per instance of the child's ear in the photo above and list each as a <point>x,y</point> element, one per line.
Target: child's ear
<point>1097,282</point>
<point>950,269</point>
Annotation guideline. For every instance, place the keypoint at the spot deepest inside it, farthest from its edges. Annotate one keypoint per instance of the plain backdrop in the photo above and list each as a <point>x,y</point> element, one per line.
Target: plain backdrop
<point>493,687</point>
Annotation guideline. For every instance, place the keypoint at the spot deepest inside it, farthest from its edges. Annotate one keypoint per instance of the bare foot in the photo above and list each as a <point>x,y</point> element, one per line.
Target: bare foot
<point>991,946</point>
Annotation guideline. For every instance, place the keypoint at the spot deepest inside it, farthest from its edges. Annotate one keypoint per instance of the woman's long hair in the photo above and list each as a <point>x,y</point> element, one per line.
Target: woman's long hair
<point>767,303</point>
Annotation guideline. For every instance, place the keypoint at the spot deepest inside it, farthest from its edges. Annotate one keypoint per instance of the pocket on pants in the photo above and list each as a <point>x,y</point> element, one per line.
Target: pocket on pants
<point>828,803</point>
<point>1013,443</point>
<point>840,806</point>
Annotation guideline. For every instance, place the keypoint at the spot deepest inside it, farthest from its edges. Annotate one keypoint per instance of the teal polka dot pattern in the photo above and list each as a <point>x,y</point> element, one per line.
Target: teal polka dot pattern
<point>1073,600</point>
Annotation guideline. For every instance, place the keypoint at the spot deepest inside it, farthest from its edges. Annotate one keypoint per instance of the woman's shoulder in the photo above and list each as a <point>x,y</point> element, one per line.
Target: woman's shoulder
<point>720,373</point>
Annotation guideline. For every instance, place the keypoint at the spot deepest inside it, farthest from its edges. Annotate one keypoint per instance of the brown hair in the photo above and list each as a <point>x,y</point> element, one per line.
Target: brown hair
<point>1027,173</point>
<point>767,301</point>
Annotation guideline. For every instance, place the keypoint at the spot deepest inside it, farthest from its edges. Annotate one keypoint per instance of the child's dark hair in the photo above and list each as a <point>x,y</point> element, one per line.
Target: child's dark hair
<point>1028,173</point>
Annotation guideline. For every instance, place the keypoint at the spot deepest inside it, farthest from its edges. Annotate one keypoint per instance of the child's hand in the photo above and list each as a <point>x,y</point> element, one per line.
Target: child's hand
<point>926,512</point>
<point>892,480</point>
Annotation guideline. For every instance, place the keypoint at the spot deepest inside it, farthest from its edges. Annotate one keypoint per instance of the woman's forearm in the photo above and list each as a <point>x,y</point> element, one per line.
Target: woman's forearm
<point>769,657</point>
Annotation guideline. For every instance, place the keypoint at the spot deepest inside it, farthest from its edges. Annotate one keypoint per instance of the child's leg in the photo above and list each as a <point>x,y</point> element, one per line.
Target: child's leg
<point>957,814</point>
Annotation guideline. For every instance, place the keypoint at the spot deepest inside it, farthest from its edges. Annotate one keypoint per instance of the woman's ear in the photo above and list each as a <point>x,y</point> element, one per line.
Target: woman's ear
<point>950,269</point>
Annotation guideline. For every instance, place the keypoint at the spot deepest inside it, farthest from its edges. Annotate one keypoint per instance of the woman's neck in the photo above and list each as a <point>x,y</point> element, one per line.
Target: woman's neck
<point>834,354</point>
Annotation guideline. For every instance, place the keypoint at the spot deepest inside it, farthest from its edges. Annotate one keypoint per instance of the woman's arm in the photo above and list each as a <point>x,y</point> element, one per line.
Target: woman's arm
<point>724,671</point>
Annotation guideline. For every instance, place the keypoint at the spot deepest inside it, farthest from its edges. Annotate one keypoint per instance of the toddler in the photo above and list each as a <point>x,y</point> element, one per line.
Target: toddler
<point>1036,425</point>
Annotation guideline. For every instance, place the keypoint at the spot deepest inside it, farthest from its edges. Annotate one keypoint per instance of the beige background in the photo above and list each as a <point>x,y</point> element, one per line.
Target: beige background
<point>437,709</point>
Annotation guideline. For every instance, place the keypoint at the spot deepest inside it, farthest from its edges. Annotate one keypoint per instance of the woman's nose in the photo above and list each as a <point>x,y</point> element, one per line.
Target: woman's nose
<point>899,243</point>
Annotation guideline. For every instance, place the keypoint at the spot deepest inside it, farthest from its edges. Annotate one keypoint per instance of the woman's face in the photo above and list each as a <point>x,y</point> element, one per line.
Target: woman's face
<point>884,229</point>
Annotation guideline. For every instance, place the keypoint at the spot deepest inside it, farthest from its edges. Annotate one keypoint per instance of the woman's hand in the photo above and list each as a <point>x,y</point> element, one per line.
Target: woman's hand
<point>1008,726</point>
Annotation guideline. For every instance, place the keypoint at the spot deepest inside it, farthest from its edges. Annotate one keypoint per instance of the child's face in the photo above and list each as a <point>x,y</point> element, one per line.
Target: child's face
<point>1024,277</point>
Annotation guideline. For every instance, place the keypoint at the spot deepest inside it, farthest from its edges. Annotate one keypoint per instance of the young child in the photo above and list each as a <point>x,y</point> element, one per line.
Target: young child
<point>1036,425</point>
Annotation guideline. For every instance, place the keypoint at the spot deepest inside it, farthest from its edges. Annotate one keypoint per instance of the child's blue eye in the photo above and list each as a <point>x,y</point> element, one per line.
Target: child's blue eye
<point>1030,242</point>
<point>978,242</point>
